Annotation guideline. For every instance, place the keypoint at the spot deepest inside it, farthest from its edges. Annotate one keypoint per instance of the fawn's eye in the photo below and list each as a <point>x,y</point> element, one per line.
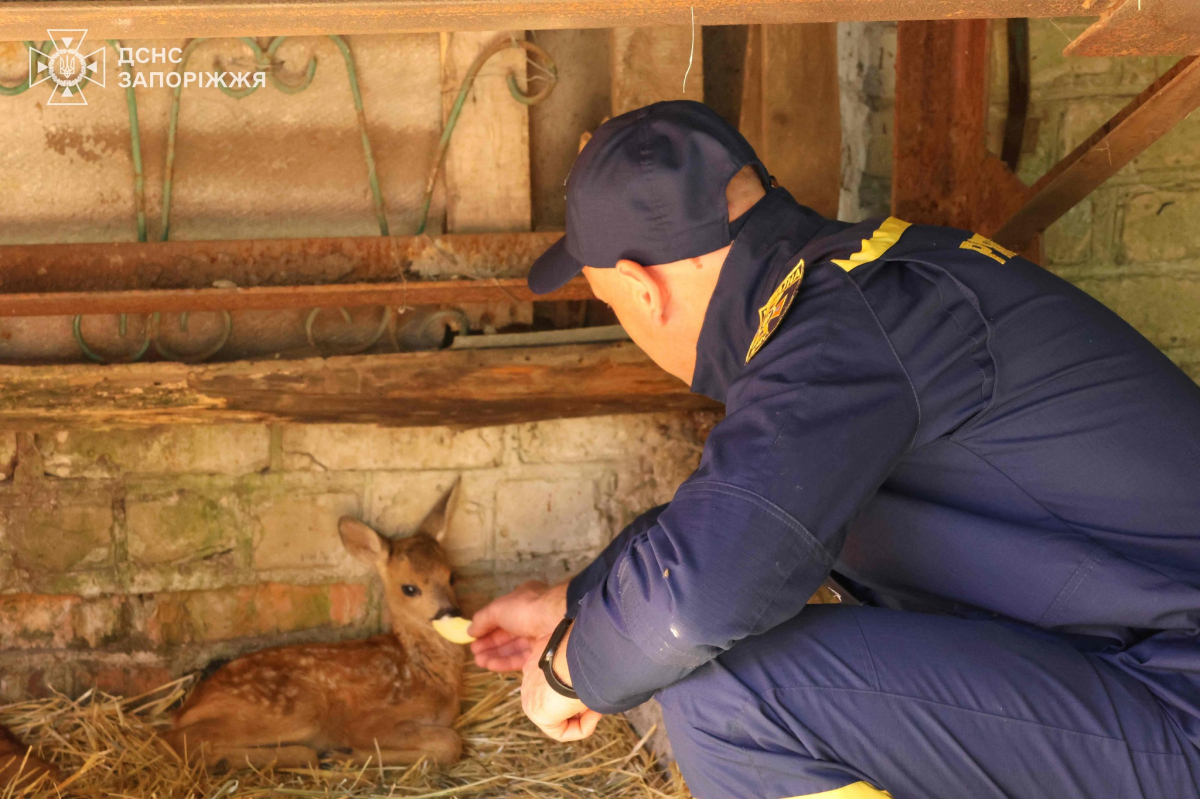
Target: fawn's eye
<point>410,590</point>
<point>453,579</point>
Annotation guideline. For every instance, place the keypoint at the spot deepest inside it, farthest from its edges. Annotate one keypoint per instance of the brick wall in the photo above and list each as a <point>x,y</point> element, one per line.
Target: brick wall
<point>130,556</point>
<point>1134,244</point>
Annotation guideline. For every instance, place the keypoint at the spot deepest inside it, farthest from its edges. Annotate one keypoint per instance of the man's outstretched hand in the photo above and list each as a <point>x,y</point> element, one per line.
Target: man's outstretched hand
<point>507,629</point>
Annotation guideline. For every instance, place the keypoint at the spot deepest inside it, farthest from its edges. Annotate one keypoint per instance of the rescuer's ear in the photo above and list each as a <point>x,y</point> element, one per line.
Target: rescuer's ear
<point>648,294</point>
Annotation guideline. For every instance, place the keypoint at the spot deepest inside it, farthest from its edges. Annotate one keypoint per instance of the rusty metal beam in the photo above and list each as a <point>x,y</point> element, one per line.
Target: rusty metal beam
<point>130,266</point>
<point>168,19</point>
<point>943,173</point>
<point>1142,122</point>
<point>129,277</point>
<point>466,388</point>
<point>1142,27</point>
<point>267,298</point>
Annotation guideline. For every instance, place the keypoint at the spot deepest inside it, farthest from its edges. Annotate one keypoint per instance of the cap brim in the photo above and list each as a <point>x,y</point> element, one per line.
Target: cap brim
<point>553,269</point>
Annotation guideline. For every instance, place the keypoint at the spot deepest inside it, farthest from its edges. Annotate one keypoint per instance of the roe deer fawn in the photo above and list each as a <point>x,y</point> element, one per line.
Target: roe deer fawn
<point>18,763</point>
<point>393,696</point>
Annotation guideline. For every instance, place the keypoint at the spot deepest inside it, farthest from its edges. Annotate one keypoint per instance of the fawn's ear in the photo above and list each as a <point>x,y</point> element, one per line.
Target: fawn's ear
<point>437,521</point>
<point>362,542</point>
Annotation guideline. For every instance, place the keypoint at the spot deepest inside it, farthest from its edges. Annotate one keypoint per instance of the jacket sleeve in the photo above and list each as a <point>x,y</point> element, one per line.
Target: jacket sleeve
<point>598,569</point>
<point>814,425</point>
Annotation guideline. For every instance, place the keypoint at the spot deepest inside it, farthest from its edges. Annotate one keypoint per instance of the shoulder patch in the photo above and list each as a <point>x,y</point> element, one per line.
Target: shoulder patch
<point>987,247</point>
<point>771,314</point>
<point>873,248</point>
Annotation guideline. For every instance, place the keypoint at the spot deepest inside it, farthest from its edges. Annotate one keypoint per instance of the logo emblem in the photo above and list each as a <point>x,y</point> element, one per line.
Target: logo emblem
<point>67,67</point>
<point>771,314</point>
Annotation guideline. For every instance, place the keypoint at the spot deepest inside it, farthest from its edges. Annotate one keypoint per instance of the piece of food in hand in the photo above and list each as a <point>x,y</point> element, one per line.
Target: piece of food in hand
<point>453,628</point>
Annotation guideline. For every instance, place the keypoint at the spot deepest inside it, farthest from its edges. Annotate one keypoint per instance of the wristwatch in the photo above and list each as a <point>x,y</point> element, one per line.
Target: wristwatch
<point>547,659</point>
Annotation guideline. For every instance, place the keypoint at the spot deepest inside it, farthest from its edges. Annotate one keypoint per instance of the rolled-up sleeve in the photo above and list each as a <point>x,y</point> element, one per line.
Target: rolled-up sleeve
<point>814,426</point>
<point>596,571</point>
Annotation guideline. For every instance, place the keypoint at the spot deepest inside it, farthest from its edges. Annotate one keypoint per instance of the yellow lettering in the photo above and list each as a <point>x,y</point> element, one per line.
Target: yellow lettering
<point>987,247</point>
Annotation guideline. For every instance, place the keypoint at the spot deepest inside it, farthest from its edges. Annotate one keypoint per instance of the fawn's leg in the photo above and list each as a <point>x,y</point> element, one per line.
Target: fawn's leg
<point>401,742</point>
<point>237,741</point>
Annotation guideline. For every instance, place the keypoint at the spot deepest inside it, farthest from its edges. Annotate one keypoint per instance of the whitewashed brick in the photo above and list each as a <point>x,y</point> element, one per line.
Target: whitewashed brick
<point>366,447</point>
<point>600,438</point>
<point>180,526</point>
<point>540,516</point>
<point>299,531</point>
<point>182,449</point>
<point>1160,225</point>
<point>396,503</point>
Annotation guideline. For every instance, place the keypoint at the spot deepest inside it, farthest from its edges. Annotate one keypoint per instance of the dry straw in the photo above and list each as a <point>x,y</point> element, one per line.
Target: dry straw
<point>109,748</point>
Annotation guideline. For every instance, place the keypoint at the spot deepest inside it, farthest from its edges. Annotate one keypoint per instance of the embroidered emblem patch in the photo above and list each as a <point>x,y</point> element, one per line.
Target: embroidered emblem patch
<point>771,314</point>
<point>987,247</point>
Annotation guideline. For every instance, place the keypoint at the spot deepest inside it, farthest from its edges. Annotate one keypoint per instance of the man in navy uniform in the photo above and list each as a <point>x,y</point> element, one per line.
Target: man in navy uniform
<point>1002,473</point>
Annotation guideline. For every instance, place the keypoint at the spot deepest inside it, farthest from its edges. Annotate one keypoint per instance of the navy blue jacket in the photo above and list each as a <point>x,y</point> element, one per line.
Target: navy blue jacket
<point>947,426</point>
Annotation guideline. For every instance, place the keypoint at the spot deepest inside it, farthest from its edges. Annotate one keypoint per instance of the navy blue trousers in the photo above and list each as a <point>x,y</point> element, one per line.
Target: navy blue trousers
<point>923,707</point>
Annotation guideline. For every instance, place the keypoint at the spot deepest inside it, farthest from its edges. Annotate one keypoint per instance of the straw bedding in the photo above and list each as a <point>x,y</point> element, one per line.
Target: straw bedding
<point>108,747</point>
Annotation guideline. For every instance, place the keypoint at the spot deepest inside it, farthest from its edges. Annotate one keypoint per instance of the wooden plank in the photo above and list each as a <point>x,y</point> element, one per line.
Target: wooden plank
<point>790,109</point>
<point>467,388</point>
<point>487,165</point>
<point>943,174</point>
<point>1147,117</point>
<point>649,64</point>
<point>173,19</point>
<point>1142,27</point>
<point>581,100</point>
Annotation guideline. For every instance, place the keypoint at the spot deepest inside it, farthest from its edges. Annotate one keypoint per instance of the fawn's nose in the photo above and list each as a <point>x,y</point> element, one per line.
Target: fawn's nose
<point>452,610</point>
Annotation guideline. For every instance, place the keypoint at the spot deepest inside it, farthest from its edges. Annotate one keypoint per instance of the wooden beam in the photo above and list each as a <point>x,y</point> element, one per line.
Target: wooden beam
<point>1142,27</point>
<point>943,174</point>
<point>1149,116</point>
<point>174,19</point>
<point>468,388</point>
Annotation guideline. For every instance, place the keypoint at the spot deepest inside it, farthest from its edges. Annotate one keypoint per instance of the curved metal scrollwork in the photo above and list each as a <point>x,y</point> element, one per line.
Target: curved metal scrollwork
<point>547,65</point>
<point>23,86</point>
<point>122,330</point>
<point>384,322</point>
<point>151,336</point>
<point>194,357</point>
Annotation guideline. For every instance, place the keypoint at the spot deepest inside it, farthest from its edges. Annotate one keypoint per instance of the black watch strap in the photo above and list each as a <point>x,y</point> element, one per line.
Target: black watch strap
<point>547,660</point>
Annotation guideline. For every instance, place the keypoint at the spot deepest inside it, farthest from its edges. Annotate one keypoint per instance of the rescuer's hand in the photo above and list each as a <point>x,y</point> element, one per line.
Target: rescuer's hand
<point>561,718</point>
<point>508,627</point>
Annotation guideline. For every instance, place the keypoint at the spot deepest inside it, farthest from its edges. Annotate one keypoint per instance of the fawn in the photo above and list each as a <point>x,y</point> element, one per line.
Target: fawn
<point>392,697</point>
<point>19,764</point>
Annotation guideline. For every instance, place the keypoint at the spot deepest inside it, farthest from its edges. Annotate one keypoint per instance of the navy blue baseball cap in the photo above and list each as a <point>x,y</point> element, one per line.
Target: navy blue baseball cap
<point>650,187</point>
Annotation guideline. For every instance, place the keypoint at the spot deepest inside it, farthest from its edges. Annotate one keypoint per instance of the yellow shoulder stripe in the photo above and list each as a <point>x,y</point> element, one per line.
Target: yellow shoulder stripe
<point>880,242</point>
<point>858,790</point>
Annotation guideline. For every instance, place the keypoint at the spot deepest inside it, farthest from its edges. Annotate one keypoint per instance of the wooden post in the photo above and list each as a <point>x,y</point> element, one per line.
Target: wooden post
<point>487,165</point>
<point>649,64</point>
<point>579,103</point>
<point>790,109</point>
